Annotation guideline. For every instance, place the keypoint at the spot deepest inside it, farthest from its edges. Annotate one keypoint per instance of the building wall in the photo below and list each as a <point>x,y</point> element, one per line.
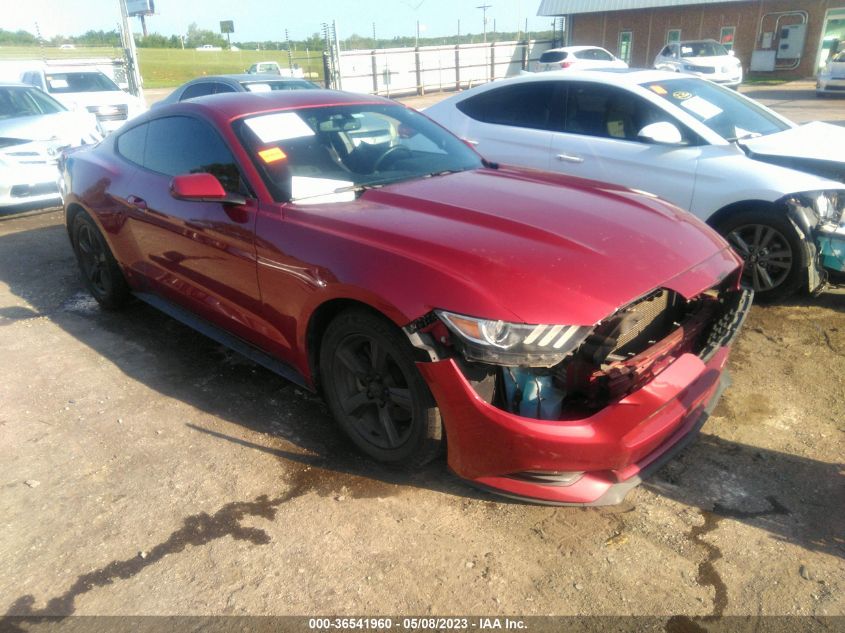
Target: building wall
<point>649,28</point>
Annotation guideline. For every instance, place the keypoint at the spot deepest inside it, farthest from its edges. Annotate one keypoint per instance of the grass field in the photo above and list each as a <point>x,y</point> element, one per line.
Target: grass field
<point>169,67</point>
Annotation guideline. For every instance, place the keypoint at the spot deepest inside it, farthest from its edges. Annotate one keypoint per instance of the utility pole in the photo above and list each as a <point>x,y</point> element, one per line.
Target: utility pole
<point>484,8</point>
<point>375,41</point>
<point>290,55</point>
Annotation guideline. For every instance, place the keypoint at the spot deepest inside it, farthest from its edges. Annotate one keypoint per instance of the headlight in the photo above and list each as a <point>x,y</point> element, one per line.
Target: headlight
<point>511,344</point>
<point>828,205</point>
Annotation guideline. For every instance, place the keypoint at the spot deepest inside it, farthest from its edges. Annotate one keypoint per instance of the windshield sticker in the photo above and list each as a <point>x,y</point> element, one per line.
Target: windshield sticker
<point>272,155</point>
<point>58,84</point>
<point>681,95</point>
<point>281,126</point>
<point>658,89</point>
<point>701,107</point>
<point>259,87</point>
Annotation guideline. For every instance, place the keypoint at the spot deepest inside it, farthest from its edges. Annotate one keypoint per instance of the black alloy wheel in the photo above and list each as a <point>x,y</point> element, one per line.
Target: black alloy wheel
<point>100,271</point>
<point>376,393</point>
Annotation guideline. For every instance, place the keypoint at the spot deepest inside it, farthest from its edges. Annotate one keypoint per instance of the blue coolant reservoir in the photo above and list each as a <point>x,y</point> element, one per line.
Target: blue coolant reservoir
<point>532,395</point>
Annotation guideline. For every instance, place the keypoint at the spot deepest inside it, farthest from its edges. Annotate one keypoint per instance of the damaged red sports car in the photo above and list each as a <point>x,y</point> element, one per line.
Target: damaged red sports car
<point>560,337</point>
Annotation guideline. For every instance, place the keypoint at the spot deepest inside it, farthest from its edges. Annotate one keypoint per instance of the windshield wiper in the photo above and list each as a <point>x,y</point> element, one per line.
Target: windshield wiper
<point>734,139</point>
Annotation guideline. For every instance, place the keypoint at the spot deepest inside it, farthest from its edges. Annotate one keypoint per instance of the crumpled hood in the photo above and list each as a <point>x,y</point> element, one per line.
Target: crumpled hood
<point>541,247</point>
<point>816,148</point>
<point>63,128</point>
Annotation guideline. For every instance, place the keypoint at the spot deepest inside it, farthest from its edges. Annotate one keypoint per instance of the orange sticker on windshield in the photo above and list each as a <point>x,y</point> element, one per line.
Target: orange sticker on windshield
<point>659,89</point>
<point>682,95</point>
<point>272,155</point>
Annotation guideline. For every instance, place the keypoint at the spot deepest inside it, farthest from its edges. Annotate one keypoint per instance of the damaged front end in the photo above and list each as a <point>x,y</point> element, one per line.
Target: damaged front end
<point>820,219</point>
<point>553,413</point>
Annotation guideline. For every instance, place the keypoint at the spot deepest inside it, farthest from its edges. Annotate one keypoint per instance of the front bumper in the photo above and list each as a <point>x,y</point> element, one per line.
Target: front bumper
<point>26,184</point>
<point>830,85</point>
<point>614,448</point>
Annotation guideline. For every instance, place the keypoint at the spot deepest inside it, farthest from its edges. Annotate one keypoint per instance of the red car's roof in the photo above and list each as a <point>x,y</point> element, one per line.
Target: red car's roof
<point>225,107</point>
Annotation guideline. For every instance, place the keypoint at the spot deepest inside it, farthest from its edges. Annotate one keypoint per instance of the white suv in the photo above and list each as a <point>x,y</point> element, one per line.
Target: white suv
<point>87,90</point>
<point>774,189</point>
<point>704,58</point>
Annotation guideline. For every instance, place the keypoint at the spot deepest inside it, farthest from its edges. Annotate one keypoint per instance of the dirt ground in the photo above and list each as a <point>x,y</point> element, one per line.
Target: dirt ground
<point>147,470</point>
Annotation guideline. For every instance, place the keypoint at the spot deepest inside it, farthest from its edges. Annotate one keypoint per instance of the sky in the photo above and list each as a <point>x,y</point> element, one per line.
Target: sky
<point>260,20</point>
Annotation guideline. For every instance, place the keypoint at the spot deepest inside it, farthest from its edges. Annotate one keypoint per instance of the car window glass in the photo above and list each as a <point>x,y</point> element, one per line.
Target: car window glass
<point>550,57</point>
<point>130,144</point>
<point>221,88</point>
<point>529,105</point>
<point>23,102</point>
<point>666,52</point>
<point>198,90</point>
<point>183,145</point>
<point>602,55</point>
<point>606,111</point>
<point>79,82</point>
<point>320,155</point>
<point>703,49</point>
<point>722,110</point>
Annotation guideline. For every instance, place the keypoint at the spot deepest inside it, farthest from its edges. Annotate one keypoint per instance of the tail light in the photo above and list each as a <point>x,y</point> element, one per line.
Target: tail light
<point>565,64</point>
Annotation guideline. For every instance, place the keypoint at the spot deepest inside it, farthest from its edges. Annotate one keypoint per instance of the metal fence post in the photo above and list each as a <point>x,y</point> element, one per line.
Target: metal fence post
<point>525,55</point>
<point>457,66</point>
<point>375,72</point>
<point>492,61</point>
<point>420,90</point>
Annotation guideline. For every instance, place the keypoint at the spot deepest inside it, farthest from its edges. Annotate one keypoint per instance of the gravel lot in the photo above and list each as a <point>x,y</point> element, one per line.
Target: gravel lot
<point>146,470</point>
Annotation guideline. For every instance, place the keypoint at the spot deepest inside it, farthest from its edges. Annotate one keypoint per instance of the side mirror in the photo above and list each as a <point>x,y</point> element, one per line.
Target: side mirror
<point>202,188</point>
<point>661,133</point>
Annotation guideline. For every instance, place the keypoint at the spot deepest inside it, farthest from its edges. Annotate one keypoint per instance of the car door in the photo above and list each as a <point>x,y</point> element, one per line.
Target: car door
<point>512,124</point>
<point>198,254</point>
<point>599,140</point>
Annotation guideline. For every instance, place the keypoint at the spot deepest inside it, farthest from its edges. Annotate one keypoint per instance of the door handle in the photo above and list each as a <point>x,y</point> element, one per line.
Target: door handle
<point>469,141</point>
<point>138,203</point>
<point>570,158</point>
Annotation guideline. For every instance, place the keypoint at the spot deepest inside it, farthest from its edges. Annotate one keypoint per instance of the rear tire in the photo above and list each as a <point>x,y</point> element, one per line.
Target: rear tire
<point>375,392</point>
<point>100,271</point>
<point>773,251</point>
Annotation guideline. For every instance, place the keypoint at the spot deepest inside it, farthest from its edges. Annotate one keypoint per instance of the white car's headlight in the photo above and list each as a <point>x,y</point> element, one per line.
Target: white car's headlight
<point>511,344</point>
<point>828,205</point>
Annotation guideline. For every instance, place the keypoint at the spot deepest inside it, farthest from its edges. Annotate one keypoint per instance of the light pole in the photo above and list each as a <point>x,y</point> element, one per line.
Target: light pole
<point>484,8</point>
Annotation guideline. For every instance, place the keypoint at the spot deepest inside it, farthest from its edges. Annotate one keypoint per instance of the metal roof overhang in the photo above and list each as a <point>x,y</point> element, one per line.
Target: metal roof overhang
<point>572,7</point>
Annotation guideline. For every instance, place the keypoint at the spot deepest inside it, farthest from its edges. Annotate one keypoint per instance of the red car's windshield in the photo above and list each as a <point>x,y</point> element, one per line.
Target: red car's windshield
<point>324,154</point>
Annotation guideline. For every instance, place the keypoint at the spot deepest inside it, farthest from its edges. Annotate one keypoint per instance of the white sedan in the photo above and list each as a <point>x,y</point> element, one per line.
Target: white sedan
<point>577,57</point>
<point>704,58</point>
<point>34,129</point>
<point>831,79</point>
<point>774,189</point>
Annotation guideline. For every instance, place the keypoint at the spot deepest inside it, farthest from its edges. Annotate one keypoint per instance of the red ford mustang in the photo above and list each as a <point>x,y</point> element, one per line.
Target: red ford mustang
<point>566,336</point>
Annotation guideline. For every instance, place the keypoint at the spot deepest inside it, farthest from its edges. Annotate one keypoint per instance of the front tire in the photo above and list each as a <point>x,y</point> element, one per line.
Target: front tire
<point>375,392</point>
<point>774,254</point>
<point>100,271</point>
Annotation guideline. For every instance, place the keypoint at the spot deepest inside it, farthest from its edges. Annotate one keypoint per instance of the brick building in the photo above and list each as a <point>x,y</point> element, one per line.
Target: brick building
<point>787,38</point>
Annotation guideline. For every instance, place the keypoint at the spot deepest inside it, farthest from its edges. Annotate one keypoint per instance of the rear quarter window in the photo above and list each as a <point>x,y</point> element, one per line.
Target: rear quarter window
<point>131,144</point>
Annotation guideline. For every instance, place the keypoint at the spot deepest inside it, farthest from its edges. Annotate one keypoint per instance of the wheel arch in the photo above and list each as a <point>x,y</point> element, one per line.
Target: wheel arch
<point>320,319</point>
<point>725,212</point>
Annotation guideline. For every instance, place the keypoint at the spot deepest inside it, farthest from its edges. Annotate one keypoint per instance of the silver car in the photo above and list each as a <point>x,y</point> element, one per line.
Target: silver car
<point>34,130</point>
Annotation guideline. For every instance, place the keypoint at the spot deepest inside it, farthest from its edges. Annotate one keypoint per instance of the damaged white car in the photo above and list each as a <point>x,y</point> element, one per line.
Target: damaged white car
<point>34,130</point>
<point>774,189</point>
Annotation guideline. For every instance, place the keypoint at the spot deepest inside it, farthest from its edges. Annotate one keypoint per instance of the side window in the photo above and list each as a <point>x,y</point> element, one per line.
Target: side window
<point>600,55</point>
<point>183,145</point>
<point>530,105</point>
<point>221,88</point>
<point>605,111</point>
<point>130,144</point>
<point>198,90</point>
<point>666,52</point>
